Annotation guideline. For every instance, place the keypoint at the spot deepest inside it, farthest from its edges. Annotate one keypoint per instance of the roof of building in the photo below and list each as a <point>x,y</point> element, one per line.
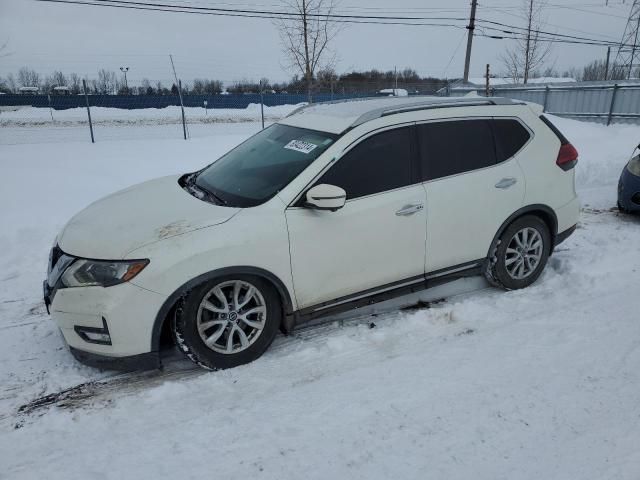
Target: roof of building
<point>338,116</point>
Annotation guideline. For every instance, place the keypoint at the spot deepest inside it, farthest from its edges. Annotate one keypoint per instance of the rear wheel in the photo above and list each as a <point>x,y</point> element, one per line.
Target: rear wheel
<point>228,321</point>
<point>521,254</point>
<point>621,208</point>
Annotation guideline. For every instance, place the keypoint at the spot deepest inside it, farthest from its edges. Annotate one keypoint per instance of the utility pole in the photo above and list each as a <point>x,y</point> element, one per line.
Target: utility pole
<point>307,61</point>
<point>528,47</point>
<point>470,28</point>
<point>125,70</point>
<point>395,74</point>
<point>486,84</point>
<point>606,65</point>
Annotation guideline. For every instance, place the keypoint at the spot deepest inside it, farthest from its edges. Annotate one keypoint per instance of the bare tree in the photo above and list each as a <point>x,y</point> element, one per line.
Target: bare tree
<point>28,77</point>
<point>530,50</point>
<point>213,87</point>
<point>106,83</point>
<point>198,86</point>
<point>11,83</point>
<point>306,36</point>
<point>59,79</point>
<point>145,87</point>
<point>47,84</point>
<point>75,83</point>
<point>597,70</point>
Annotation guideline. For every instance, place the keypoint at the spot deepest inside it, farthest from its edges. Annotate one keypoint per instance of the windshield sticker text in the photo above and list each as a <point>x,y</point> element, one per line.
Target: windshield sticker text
<point>300,146</point>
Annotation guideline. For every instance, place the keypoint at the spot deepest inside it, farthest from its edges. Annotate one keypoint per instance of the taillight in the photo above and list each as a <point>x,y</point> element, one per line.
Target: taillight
<point>567,157</point>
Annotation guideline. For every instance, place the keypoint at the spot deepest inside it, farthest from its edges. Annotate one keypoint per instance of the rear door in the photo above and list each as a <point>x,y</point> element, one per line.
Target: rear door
<point>472,187</point>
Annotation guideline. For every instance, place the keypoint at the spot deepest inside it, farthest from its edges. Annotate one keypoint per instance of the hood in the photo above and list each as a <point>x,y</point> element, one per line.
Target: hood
<point>137,216</point>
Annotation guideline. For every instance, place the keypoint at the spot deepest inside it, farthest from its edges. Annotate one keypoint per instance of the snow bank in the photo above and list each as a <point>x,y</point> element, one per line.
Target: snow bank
<point>603,153</point>
<point>35,116</point>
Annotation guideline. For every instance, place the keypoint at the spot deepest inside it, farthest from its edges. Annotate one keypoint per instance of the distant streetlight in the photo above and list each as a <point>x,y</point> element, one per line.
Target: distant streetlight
<point>125,70</point>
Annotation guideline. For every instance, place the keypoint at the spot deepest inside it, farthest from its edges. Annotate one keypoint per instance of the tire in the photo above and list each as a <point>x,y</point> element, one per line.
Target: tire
<point>209,315</point>
<point>621,209</point>
<point>520,254</point>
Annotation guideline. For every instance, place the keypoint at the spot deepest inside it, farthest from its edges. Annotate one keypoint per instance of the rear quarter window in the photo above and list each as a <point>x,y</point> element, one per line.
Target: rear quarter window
<point>510,136</point>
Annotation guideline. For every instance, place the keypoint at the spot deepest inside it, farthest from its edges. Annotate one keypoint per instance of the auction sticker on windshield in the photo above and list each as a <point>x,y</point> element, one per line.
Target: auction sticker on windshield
<point>300,146</point>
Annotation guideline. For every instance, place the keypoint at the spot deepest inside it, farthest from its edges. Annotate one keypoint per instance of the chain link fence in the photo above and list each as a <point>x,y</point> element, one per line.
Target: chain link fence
<point>32,117</point>
<point>49,118</point>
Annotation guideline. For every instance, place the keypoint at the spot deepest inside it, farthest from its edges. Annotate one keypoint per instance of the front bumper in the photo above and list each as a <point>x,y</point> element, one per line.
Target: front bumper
<point>142,361</point>
<point>629,191</point>
<point>108,327</point>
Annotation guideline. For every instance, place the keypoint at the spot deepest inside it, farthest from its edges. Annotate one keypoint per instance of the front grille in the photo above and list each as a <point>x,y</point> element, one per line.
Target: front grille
<point>636,198</point>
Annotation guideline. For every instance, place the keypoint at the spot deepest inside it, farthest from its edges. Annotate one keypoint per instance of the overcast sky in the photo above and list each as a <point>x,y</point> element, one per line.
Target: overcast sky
<point>82,39</point>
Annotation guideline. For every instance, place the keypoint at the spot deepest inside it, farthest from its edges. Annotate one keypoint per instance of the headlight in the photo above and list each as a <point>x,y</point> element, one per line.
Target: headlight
<point>86,273</point>
<point>634,165</point>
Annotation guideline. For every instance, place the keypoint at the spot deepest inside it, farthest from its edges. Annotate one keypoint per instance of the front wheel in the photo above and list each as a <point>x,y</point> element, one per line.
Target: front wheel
<point>228,321</point>
<point>521,254</point>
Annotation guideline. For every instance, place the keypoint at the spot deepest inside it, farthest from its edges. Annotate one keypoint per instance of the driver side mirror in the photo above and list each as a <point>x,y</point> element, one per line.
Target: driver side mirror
<point>325,197</point>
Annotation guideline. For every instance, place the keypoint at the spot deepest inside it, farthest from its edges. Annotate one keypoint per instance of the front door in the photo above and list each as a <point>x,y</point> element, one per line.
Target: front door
<point>377,238</point>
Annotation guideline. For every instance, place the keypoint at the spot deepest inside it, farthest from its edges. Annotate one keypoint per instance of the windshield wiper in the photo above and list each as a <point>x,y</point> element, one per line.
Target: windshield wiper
<point>213,196</point>
<point>190,185</point>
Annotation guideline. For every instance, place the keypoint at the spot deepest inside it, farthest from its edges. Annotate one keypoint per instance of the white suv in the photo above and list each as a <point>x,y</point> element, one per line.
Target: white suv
<point>337,206</point>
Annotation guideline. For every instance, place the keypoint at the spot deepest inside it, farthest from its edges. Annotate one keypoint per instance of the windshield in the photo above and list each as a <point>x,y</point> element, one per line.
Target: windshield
<point>257,169</point>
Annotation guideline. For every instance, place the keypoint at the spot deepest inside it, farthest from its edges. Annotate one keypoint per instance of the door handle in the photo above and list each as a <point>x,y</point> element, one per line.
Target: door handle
<point>409,209</point>
<point>506,182</point>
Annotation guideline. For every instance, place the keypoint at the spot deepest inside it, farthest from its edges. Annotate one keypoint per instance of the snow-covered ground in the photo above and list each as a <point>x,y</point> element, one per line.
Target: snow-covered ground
<point>531,384</point>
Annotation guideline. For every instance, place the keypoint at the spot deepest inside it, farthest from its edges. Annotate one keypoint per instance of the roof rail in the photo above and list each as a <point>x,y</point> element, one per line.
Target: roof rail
<point>430,104</point>
<point>426,103</point>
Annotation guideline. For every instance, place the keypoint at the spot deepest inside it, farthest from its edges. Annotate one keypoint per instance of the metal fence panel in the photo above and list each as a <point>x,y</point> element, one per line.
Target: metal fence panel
<point>628,101</point>
<point>597,101</point>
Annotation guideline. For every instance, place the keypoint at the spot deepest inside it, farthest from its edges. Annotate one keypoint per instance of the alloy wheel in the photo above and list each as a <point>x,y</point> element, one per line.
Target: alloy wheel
<point>231,316</point>
<point>523,253</point>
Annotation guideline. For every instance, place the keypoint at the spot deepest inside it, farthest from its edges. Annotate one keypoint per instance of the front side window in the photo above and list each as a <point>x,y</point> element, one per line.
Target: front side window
<point>453,147</point>
<point>257,169</point>
<point>379,163</point>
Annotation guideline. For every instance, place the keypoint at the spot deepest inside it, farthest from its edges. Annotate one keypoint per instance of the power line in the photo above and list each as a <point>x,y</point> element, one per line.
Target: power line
<point>534,30</point>
<point>271,12</point>
<point>291,16</point>
<point>336,18</point>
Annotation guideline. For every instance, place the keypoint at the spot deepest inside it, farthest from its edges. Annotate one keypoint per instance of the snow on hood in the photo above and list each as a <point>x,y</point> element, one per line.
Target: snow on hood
<point>146,213</point>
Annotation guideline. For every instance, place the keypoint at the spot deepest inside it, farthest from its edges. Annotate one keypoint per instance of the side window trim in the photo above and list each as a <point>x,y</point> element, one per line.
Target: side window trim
<point>415,162</point>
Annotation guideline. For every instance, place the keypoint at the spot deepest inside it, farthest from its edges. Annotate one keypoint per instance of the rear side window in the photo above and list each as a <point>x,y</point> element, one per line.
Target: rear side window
<point>510,137</point>
<point>379,163</point>
<point>449,148</point>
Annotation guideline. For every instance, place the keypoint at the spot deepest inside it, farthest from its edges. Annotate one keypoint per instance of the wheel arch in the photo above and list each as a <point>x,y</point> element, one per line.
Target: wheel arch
<point>545,212</point>
<point>161,317</point>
